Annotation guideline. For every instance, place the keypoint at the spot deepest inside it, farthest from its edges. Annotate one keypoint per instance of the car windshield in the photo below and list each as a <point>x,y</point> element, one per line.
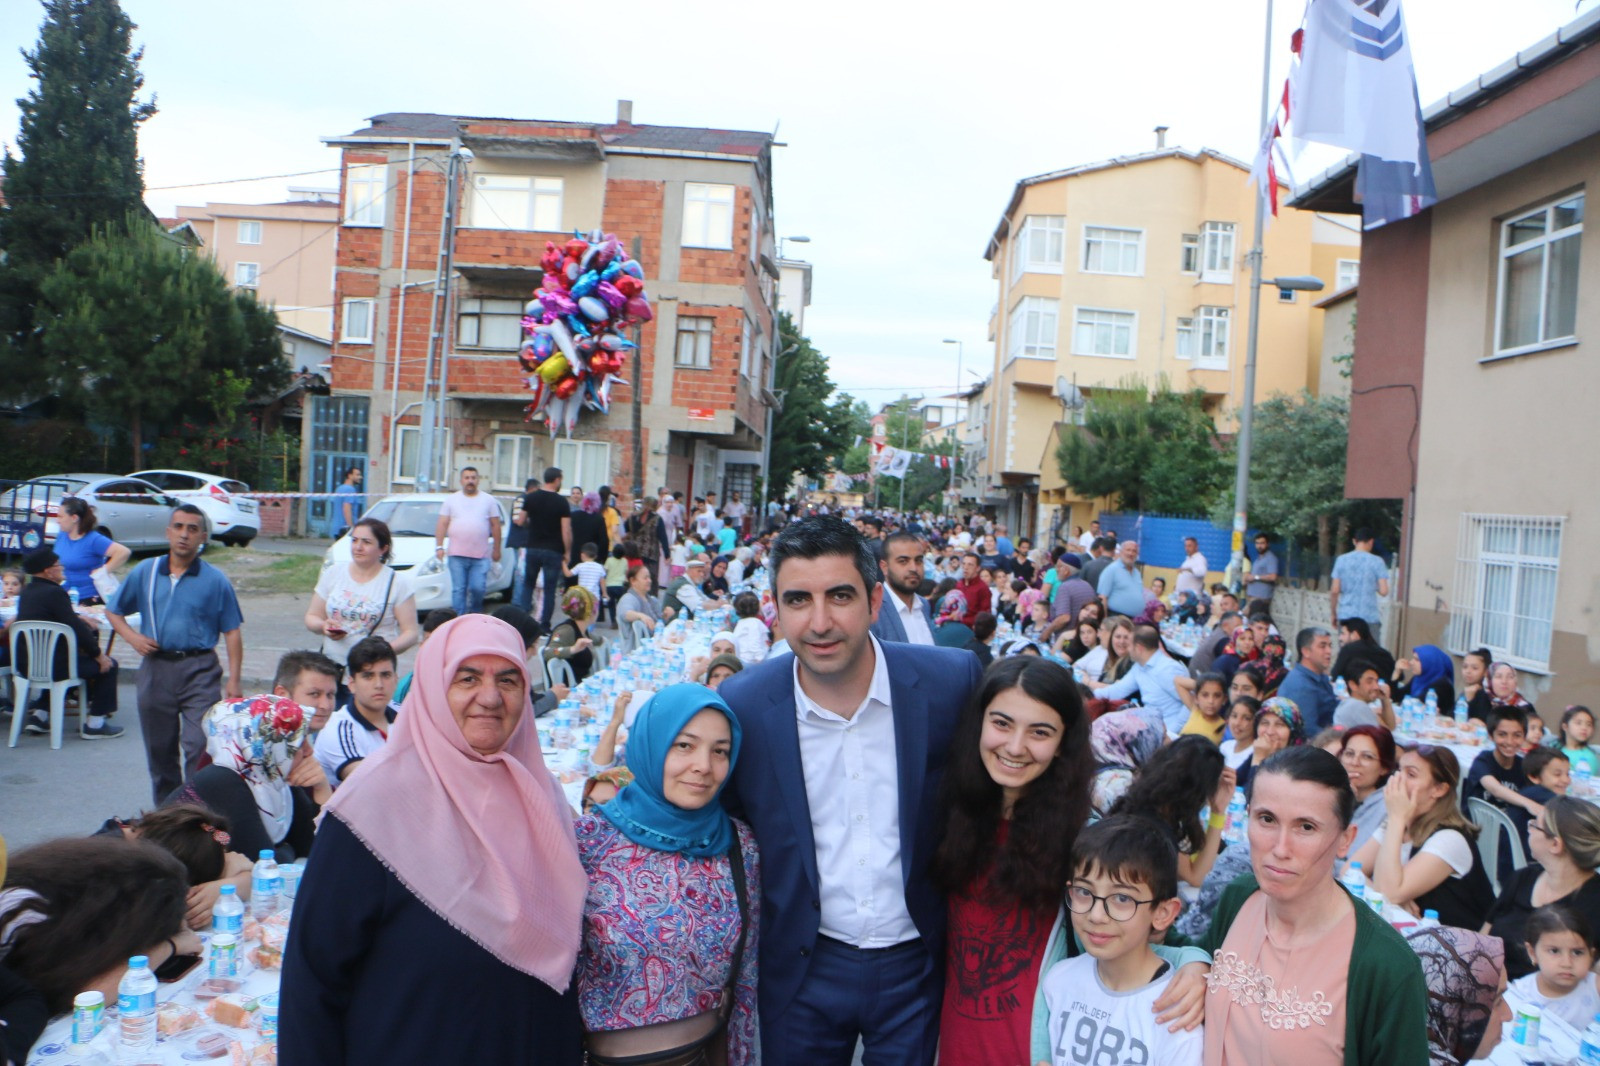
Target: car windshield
<point>407,518</point>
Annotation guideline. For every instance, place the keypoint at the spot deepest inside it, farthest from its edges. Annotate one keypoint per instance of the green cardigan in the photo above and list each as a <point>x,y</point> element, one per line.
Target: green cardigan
<point>1386,997</point>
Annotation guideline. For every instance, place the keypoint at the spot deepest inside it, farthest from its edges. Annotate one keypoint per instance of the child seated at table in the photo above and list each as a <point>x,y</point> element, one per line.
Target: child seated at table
<point>1560,944</point>
<point>1123,894</point>
<point>1496,774</point>
<point>1535,733</point>
<point>1549,772</point>
<point>1207,705</point>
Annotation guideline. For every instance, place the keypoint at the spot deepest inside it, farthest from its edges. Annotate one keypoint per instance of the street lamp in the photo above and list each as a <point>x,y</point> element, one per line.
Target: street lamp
<point>955,458</point>
<point>797,240</point>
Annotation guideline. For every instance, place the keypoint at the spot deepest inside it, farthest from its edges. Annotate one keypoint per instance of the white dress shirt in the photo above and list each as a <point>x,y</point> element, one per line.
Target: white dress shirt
<point>853,789</point>
<point>916,623</point>
<point>1192,574</point>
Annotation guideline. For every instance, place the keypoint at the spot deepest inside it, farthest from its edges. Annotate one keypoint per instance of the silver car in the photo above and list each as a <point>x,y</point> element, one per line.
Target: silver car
<point>129,511</point>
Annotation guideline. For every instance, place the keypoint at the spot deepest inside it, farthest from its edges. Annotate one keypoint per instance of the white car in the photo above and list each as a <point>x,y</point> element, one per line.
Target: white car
<point>234,519</point>
<point>411,518</point>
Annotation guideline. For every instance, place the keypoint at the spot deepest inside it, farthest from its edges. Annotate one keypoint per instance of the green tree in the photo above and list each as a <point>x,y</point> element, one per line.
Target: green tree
<point>144,334</point>
<point>77,170</point>
<point>1151,450</point>
<point>806,433</point>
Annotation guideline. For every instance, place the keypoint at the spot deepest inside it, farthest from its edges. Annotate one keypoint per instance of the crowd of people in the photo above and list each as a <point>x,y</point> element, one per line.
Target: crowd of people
<point>861,820</point>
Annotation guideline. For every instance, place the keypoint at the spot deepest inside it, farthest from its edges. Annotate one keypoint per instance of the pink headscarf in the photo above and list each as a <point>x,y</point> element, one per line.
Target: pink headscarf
<point>485,841</point>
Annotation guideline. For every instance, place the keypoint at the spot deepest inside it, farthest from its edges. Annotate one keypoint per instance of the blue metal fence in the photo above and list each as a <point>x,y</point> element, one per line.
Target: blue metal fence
<point>1160,537</point>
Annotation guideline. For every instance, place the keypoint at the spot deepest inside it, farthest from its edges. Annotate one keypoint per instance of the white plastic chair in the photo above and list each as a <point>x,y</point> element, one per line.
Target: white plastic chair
<point>1492,823</point>
<point>42,639</point>
<point>559,672</point>
<point>639,635</point>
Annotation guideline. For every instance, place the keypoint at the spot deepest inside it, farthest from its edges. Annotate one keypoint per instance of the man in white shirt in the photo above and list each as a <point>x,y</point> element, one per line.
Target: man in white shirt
<point>734,512</point>
<point>839,770</point>
<point>1092,534</point>
<point>904,616</point>
<point>1192,574</point>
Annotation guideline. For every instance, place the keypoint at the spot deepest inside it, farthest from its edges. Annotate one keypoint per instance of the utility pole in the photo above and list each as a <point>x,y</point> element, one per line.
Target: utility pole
<point>905,432</point>
<point>955,458</point>
<point>430,449</point>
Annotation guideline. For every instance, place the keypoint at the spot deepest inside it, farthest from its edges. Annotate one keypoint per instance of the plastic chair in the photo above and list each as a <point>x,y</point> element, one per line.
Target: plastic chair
<point>559,672</point>
<point>1491,823</point>
<point>640,635</point>
<point>42,639</point>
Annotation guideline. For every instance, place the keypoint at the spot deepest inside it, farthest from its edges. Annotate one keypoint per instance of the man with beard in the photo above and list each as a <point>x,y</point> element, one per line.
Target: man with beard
<point>904,617</point>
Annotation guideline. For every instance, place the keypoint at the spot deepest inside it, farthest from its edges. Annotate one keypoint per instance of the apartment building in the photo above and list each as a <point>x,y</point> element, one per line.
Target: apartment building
<point>695,203</point>
<point>1477,357</point>
<point>1135,268</point>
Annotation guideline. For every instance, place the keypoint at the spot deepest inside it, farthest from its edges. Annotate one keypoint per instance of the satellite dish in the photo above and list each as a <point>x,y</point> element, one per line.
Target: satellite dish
<point>1068,393</point>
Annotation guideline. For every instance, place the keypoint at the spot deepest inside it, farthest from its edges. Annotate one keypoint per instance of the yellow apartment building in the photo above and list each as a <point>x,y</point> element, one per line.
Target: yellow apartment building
<point>1136,267</point>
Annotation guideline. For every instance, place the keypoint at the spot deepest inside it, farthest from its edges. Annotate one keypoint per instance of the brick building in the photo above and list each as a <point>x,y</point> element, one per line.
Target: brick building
<point>699,203</point>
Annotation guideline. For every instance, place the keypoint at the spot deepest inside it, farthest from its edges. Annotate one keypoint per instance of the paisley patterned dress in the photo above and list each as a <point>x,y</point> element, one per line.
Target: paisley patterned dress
<point>659,932</point>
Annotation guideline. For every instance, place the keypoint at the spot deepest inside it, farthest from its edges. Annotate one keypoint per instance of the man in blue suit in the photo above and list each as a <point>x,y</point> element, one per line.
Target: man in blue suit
<point>844,748</point>
<point>904,617</point>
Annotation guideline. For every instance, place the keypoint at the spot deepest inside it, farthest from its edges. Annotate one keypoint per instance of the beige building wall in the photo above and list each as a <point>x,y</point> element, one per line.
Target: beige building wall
<point>1512,436</point>
<point>1338,338</point>
<point>292,255</point>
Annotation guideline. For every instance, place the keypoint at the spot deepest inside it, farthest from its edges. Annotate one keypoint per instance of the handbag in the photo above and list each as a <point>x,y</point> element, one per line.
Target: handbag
<point>700,1040</point>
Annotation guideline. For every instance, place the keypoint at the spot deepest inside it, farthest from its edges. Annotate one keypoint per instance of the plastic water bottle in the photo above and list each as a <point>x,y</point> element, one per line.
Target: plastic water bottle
<point>1233,831</point>
<point>227,914</point>
<point>1461,711</point>
<point>1340,688</point>
<point>1431,700</point>
<point>265,886</point>
<point>1582,779</point>
<point>1589,1047</point>
<point>136,1006</point>
<point>1355,881</point>
<point>1430,920</point>
<point>72,594</point>
<point>1480,733</point>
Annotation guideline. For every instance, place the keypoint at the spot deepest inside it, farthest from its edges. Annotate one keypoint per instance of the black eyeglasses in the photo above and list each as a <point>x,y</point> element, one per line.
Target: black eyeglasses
<point>1120,906</point>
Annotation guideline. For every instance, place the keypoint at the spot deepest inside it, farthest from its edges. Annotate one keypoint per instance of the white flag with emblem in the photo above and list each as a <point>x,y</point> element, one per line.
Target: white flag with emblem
<point>1354,86</point>
<point>899,462</point>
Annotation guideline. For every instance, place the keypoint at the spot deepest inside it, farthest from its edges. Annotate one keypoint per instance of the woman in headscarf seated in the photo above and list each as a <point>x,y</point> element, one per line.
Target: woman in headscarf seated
<point>949,631</point>
<point>570,638</point>
<point>440,917</point>
<point>1466,977</point>
<point>263,778</point>
<point>1279,725</point>
<point>668,966</point>
<point>1428,670</point>
<point>1121,742</point>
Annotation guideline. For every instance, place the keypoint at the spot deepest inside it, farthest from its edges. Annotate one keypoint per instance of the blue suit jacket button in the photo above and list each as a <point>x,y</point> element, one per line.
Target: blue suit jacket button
<point>805,952</point>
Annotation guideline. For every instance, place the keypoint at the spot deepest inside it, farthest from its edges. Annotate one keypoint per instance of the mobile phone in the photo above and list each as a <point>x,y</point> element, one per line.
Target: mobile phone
<point>176,967</point>
<point>337,633</point>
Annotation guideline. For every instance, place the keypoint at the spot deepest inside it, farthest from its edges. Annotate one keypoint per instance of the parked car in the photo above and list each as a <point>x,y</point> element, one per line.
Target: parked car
<point>234,519</point>
<point>130,511</point>
<point>411,518</point>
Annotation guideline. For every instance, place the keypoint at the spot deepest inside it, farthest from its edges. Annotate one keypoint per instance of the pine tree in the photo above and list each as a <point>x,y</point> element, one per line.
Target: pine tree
<point>78,167</point>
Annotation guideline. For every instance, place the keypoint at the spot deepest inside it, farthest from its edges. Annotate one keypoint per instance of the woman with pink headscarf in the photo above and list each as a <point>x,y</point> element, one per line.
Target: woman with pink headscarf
<point>440,915</point>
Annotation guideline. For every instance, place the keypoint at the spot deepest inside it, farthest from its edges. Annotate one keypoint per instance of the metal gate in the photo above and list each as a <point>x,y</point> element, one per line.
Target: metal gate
<point>338,442</point>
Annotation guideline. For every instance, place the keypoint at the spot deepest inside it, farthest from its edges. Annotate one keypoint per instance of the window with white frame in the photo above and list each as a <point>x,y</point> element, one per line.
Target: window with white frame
<point>1110,250</point>
<point>1185,336</point>
<point>406,456</point>
<point>489,323</point>
<point>356,322</point>
<point>246,275</point>
<point>364,188</point>
<point>249,231</point>
<point>1033,327</point>
<point>694,341</point>
<point>1099,331</point>
<point>707,215</point>
<point>513,461</point>
<point>1211,337</point>
<point>516,201</point>
<point>1216,252</point>
<point>1347,274</point>
<point>1538,298</point>
<point>584,462</point>
<point>1189,254</point>
<point>1507,573</point>
<point>747,348</point>
<point>1041,245</point>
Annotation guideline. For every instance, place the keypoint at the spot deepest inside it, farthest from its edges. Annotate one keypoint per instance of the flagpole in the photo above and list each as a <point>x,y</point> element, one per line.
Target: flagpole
<point>1241,474</point>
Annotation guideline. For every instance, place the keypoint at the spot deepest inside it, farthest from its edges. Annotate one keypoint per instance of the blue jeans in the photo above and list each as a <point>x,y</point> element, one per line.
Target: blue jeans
<point>468,577</point>
<point>540,560</point>
<point>889,1000</point>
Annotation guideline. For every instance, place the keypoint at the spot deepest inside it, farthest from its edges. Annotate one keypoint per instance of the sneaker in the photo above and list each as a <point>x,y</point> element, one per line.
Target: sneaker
<point>103,731</point>
<point>37,724</point>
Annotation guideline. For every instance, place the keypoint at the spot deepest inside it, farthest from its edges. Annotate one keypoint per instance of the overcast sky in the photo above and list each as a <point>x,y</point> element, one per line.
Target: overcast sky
<point>906,125</point>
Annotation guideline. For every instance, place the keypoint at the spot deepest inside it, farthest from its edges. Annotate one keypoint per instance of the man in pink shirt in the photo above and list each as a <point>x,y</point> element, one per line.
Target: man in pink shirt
<point>470,520</point>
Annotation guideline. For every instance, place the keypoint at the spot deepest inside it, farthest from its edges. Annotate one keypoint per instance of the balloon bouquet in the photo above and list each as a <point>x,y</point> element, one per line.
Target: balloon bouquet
<point>573,345</point>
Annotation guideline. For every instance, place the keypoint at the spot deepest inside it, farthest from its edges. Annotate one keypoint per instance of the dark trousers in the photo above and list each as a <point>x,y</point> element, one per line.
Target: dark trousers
<point>541,560</point>
<point>174,696</point>
<point>887,999</point>
<point>102,686</point>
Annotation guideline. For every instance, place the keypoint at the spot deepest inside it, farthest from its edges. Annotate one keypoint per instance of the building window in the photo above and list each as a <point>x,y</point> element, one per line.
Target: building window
<point>694,342</point>
<point>1040,247</point>
<point>1185,338</point>
<point>246,275</point>
<point>364,194</point>
<point>1211,337</point>
<point>1538,300</point>
<point>1349,274</point>
<point>1216,252</point>
<point>1189,254</point>
<point>489,323</point>
<point>707,216</point>
<point>584,462</point>
<point>1507,571</point>
<point>1113,251</point>
<point>356,322</point>
<point>1101,332</point>
<point>1032,330</point>
<point>513,461</point>
<point>1287,296</point>
<point>516,201</point>
<point>249,231</point>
